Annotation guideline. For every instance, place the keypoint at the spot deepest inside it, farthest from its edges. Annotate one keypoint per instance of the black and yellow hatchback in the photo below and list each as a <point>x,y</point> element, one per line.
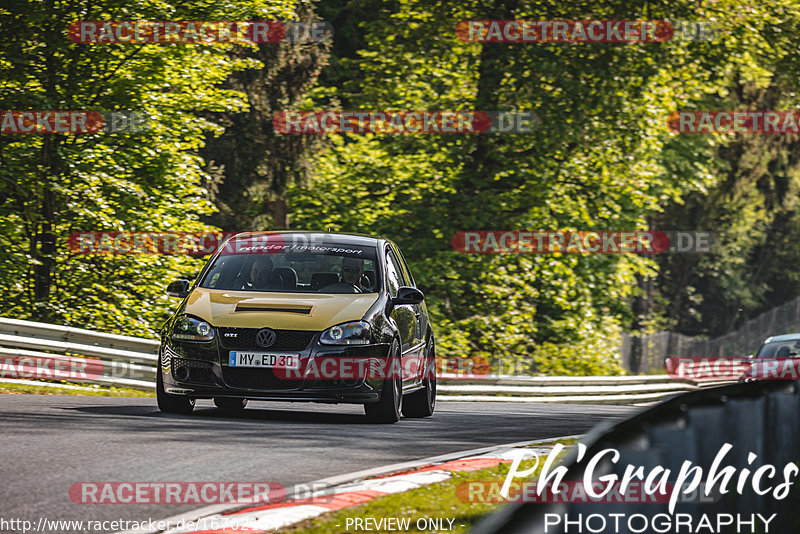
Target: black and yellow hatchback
<point>300,316</point>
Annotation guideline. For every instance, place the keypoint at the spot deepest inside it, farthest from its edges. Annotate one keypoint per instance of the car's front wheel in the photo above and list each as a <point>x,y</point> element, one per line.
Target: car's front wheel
<point>171,403</point>
<point>389,407</point>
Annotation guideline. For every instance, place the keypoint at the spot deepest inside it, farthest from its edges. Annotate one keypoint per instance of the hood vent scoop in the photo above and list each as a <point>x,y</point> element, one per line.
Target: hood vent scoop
<point>280,308</point>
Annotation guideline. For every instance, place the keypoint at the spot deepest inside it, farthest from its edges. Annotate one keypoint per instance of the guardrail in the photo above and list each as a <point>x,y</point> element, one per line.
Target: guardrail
<point>579,389</point>
<point>51,352</point>
<point>30,350</point>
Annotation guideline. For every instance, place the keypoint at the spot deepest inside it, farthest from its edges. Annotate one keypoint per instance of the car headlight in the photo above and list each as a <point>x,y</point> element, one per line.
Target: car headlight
<point>191,329</point>
<point>356,333</point>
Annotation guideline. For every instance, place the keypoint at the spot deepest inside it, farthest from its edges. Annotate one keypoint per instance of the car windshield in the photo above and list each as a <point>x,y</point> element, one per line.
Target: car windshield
<point>290,263</point>
<point>780,349</point>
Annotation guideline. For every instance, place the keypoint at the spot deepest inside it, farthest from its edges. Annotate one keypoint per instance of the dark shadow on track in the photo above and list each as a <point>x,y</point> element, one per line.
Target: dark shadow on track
<point>249,414</point>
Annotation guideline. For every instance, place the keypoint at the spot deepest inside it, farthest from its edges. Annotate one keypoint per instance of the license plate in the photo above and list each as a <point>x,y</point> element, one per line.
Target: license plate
<point>264,359</point>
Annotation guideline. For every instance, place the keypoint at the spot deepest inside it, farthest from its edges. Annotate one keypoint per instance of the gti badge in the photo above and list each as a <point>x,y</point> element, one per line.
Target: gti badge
<point>265,337</point>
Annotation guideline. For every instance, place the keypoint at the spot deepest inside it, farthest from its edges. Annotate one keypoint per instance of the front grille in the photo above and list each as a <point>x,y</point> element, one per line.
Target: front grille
<point>245,338</point>
<point>254,378</point>
<point>199,372</point>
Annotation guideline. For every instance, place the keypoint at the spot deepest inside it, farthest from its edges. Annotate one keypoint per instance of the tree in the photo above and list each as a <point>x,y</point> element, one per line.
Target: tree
<point>742,187</point>
<point>594,163</point>
<point>153,181</point>
<point>256,164</point>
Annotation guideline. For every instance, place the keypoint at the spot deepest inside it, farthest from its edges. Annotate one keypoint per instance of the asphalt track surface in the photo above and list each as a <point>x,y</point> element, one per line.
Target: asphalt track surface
<point>50,442</point>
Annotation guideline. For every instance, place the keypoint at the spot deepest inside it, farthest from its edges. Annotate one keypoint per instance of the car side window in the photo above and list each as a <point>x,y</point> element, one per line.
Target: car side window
<point>393,276</point>
<point>408,280</point>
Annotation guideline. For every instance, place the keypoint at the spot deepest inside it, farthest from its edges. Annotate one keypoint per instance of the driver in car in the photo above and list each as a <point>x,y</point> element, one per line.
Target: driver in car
<point>352,270</point>
<point>260,274</point>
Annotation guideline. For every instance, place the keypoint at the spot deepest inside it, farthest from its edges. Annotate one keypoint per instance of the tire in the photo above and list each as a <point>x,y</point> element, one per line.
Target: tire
<point>171,403</point>
<point>422,403</point>
<point>230,405</point>
<point>388,409</point>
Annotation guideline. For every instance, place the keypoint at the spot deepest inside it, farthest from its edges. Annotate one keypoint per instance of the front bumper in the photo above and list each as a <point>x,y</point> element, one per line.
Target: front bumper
<point>201,370</point>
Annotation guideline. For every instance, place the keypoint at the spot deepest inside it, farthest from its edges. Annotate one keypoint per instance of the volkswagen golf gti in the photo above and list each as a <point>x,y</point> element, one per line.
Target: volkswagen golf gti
<point>300,316</point>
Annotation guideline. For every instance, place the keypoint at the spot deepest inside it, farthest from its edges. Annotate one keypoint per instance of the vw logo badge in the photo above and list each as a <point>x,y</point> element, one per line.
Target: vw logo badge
<point>265,337</point>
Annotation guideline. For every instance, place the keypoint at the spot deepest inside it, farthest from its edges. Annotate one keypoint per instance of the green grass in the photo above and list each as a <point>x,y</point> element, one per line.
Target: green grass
<point>94,391</point>
<point>432,501</point>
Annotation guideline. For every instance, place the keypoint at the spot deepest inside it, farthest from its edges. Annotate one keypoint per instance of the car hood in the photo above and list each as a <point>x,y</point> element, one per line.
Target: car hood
<point>283,311</point>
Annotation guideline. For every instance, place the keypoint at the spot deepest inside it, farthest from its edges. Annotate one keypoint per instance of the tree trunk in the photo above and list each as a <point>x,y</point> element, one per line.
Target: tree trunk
<point>43,241</point>
<point>280,213</point>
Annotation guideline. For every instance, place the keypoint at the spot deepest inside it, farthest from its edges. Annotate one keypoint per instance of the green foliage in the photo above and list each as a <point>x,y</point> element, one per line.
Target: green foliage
<point>742,187</point>
<point>255,163</point>
<point>153,181</point>
<point>595,352</point>
<point>601,158</point>
<point>594,163</point>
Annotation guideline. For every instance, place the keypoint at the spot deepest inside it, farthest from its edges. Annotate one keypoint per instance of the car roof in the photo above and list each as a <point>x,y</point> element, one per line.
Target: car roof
<point>340,238</point>
<point>783,337</point>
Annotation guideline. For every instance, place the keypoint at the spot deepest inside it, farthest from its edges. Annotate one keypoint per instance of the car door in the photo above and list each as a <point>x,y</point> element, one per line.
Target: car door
<point>420,313</point>
<point>404,315</point>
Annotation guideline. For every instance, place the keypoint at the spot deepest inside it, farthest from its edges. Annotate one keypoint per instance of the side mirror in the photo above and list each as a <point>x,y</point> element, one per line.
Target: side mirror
<point>408,295</point>
<point>178,288</point>
<point>748,358</point>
